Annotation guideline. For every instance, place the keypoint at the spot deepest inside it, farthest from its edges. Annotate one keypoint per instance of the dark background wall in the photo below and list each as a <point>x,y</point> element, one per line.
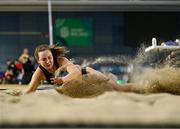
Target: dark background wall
<point>140,27</point>
<point>113,32</point>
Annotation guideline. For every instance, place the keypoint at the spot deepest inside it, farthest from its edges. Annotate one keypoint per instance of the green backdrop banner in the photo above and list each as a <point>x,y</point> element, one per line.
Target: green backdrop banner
<point>74,32</point>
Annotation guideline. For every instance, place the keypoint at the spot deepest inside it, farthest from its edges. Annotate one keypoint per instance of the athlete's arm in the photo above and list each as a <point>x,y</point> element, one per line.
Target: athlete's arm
<point>37,77</point>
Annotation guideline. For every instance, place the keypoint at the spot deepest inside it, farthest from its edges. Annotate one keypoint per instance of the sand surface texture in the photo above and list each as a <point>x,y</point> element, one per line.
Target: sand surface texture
<point>48,107</point>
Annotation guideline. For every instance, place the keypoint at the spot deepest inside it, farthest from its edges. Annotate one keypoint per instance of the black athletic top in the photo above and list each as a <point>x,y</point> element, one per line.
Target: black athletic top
<point>49,75</point>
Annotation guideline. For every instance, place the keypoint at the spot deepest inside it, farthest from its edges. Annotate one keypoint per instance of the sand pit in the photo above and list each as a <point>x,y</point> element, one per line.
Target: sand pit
<point>112,109</point>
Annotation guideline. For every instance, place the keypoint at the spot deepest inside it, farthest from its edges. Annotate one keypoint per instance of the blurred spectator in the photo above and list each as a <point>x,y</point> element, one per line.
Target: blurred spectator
<point>8,76</point>
<point>24,56</point>
<point>11,72</point>
<point>18,65</point>
<point>19,68</point>
<point>27,66</point>
<point>28,69</point>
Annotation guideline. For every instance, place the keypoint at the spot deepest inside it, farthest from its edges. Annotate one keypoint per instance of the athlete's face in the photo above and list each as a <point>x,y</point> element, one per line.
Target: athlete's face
<point>46,59</point>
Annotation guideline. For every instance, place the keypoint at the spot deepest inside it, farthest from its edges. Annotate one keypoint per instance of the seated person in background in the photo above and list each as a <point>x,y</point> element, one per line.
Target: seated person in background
<point>78,82</point>
<point>8,76</point>
<point>11,73</point>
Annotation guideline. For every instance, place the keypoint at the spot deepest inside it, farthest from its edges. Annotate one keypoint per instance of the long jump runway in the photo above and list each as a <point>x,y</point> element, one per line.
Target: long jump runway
<point>48,108</point>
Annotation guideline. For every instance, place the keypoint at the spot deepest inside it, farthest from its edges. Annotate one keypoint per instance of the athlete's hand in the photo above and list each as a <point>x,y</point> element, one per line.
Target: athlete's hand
<point>57,80</point>
<point>14,92</point>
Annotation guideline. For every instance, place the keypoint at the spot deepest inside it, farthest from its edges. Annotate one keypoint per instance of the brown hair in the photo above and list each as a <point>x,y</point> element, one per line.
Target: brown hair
<point>56,50</point>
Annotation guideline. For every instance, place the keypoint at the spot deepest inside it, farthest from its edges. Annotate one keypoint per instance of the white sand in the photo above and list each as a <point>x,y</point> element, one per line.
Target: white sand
<point>50,107</point>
